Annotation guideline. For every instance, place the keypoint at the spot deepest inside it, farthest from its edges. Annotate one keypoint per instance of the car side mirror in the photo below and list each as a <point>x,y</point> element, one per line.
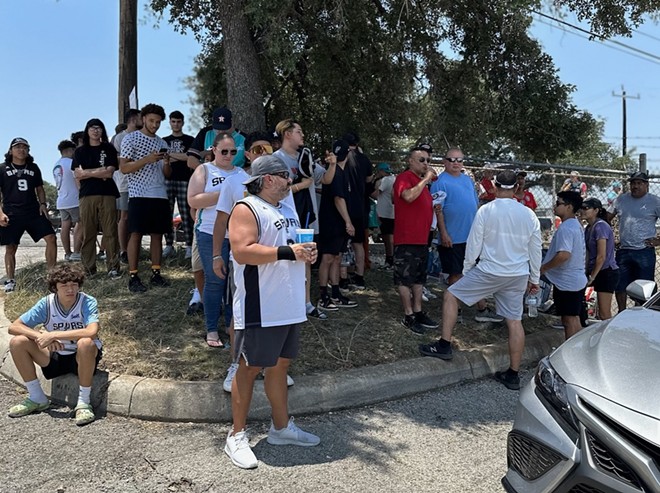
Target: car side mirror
<point>641,290</point>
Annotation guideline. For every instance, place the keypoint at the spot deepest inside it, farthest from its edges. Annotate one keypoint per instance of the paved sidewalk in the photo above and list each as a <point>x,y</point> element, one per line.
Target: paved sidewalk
<point>175,400</point>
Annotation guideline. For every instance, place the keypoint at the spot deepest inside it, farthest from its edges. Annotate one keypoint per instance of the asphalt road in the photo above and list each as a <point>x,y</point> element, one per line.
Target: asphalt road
<point>451,440</point>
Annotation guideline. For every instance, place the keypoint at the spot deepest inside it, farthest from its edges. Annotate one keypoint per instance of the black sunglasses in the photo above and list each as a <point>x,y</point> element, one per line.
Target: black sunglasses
<point>281,174</point>
<point>454,159</point>
<point>424,159</point>
<point>224,152</point>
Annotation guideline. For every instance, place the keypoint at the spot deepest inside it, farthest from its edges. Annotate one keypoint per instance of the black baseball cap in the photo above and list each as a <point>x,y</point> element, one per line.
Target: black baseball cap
<point>639,175</point>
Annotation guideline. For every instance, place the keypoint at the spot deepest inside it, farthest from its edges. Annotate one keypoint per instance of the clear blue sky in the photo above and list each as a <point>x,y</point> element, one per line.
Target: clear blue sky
<point>59,69</point>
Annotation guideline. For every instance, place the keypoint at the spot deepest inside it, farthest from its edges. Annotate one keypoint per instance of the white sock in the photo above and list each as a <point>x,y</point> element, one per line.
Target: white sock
<point>35,391</point>
<point>310,307</point>
<point>195,297</point>
<point>83,395</point>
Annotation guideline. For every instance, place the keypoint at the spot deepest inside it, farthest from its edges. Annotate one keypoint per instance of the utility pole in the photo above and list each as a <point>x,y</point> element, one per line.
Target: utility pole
<point>623,97</point>
<point>127,94</point>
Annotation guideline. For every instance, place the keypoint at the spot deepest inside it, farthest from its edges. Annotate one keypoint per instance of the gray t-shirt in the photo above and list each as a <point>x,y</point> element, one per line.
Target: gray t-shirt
<point>637,219</point>
<point>570,275</point>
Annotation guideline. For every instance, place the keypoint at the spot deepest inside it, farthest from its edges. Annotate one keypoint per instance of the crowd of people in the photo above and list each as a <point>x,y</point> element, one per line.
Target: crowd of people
<point>247,203</point>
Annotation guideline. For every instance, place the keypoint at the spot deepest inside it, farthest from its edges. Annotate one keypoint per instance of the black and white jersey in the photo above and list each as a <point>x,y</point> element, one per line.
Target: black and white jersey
<point>18,184</point>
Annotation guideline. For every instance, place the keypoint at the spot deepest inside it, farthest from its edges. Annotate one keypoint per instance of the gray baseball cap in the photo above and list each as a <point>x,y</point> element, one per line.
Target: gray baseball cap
<point>266,165</point>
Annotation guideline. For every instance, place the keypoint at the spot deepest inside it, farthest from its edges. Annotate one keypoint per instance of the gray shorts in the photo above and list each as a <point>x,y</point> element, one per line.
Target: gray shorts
<point>262,346</point>
<point>122,201</point>
<point>507,291</point>
<point>72,214</point>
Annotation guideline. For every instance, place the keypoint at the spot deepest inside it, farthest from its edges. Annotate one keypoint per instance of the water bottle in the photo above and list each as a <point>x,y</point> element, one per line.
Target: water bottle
<point>532,306</point>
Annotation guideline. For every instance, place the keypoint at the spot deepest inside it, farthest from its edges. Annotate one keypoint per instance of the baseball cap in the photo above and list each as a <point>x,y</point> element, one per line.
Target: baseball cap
<point>384,167</point>
<point>222,118</point>
<point>506,179</point>
<point>18,140</point>
<point>616,184</point>
<point>592,202</point>
<point>575,173</point>
<point>639,175</point>
<point>351,138</point>
<point>340,149</point>
<point>521,173</point>
<point>425,147</point>
<point>266,165</point>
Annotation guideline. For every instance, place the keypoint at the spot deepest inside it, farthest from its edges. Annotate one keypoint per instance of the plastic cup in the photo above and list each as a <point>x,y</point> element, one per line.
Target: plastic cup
<point>304,235</point>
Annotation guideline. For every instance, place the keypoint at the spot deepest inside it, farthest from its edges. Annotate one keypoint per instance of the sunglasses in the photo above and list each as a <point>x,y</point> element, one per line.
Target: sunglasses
<point>281,174</point>
<point>224,152</point>
<point>262,149</point>
<point>424,159</point>
<point>454,159</point>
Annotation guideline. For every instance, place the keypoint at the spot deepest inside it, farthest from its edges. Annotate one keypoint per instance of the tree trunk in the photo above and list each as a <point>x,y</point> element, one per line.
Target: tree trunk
<point>244,91</point>
<point>127,55</point>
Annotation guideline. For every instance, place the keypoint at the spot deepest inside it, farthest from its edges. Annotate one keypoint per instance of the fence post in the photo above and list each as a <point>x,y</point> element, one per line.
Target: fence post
<point>642,162</point>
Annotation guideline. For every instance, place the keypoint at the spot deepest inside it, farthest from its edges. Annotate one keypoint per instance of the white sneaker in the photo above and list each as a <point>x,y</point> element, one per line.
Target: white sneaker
<point>428,294</point>
<point>239,451</point>
<point>231,371</point>
<point>10,285</point>
<point>75,257</point>
<point>114,274</point>
<point>487,315</point>
<point>188,252</point>
<point>291,435</point>
<point>289,381</point>
<point>67,257</point>
<point>168,251</point>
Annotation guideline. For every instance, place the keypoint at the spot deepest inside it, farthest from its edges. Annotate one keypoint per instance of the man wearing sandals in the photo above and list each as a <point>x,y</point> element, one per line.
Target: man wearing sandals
<point>269,304</point>
<point>67,342</point>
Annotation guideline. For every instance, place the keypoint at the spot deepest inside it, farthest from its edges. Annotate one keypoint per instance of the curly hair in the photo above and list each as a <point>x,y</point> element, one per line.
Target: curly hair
<point>154,109</point>
<point>65,273</point>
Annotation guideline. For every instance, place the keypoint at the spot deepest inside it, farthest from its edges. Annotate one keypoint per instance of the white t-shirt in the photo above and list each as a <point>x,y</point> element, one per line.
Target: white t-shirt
<point>148,181</point>
<point>67,191</point>
<point>121,180</point>
<point>233,190</point>
<point>384,204</point>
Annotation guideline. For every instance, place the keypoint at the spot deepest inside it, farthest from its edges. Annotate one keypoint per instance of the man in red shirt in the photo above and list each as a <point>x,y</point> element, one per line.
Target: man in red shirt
<point>413,214</point>
<point>525,197</point>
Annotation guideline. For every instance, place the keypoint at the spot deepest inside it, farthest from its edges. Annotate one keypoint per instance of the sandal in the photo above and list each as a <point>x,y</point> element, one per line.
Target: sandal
<point>214,341</point>
<point>84,414</point>
<point>27,407</point>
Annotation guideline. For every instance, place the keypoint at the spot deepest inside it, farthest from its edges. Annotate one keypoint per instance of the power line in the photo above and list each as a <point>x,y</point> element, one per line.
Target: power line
<point>597,36</point>
<point>638,138</point>
<point>647,35</point>
<point>602,41</point>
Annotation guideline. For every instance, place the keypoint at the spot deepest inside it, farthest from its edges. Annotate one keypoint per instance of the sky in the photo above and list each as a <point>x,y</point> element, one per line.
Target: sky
<point>59,68</point>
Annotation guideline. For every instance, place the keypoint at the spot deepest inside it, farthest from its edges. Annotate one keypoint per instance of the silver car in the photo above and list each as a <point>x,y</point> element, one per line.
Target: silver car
<point>589,421</point>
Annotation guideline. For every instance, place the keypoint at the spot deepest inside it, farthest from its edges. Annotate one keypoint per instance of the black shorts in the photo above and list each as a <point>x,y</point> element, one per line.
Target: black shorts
<point>332,245</point>
<point>36,226</point>
<point>451,259</point>
<point>386,226</point>
<point>149,216</point>
<point>568,303</point>
<point>262,346</point>
<point>606,281</point>
<point>359,225</point>
<point>410,264</point>
<point>63,364</point>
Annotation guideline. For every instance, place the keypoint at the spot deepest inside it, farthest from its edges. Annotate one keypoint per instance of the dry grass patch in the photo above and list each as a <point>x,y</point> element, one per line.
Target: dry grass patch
<point>150,335</point>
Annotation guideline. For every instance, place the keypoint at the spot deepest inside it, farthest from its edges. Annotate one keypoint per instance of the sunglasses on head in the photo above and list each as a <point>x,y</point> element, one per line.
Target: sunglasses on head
<point>454,159</point>
<point>262,149</point>
<point>224,152</point>
<point>281,174</point>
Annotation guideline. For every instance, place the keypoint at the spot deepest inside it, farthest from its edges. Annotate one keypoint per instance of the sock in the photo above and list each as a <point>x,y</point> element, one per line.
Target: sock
<point>83,395</point>
<point>196,298</point>
<point>416,314</point>
<point>36,393</point>
<point>309,307</point>
<point>324,291</point>
<point>389,260</point>
<point>335,291</point>
<point>359,279</point>
<point>444,343</point>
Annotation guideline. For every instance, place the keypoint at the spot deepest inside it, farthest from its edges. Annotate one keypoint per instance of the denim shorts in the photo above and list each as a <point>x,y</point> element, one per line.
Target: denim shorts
<point>633,265</point>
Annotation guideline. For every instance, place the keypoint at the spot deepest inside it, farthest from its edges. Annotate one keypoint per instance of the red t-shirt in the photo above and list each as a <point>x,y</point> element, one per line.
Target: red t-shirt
<point>489,188</point>
<point>527,200</point>
<point>412,221</point>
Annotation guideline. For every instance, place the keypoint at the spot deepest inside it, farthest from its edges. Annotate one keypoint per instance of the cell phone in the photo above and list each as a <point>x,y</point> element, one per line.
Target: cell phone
<point>163,150</point>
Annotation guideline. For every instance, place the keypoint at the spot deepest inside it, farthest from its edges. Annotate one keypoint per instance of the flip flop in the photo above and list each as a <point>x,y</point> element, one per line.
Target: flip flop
<point>214,344</point>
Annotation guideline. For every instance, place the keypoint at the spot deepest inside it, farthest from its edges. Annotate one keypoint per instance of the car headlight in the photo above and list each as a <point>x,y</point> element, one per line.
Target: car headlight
<point>553,388</point>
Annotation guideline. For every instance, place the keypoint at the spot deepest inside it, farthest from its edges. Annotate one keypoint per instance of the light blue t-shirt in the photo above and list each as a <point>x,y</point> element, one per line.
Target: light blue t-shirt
<point>570,275</point>
<point>460,205</point>
<point>239,142</point>
<point>637,219</point>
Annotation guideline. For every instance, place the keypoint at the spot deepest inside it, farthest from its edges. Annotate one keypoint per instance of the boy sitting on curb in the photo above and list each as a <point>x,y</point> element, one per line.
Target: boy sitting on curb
<point>67,343</point>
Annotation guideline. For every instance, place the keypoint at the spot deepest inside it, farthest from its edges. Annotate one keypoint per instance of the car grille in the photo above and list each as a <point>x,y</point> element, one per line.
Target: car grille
<point>583,488</point>
<point>528,457</point>
<point>609,463</point>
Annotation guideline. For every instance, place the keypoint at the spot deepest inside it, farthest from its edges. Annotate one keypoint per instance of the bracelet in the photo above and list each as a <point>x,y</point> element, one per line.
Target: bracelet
<point>285,253</point>
<point>216,257</point>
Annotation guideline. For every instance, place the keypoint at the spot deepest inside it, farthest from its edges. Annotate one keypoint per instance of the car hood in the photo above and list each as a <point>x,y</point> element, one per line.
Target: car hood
<point>618,360</point>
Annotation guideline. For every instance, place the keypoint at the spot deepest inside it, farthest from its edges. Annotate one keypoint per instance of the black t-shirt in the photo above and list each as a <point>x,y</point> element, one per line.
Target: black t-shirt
<point>92,157</point>
<point>360,168</point>
<point>18,184</point>
<point>330,221</point>
<point>180,169</point>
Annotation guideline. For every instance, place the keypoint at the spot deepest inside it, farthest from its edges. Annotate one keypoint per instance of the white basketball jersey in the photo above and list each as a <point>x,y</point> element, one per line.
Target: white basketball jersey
<point>59,320</point>
<point>215,177</point>
<point>272,294</point>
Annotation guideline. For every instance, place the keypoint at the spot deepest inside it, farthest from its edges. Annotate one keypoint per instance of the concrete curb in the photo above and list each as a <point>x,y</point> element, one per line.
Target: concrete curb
<point>175,400</point>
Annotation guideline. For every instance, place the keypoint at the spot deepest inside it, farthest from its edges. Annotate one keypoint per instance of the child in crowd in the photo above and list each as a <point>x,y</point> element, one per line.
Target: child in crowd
<point>66,343</point>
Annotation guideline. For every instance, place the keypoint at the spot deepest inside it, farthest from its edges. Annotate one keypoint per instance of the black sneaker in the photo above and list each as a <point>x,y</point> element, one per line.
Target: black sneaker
<point>409,322</point>
<point>344,302</point>
<point>423,319</point>
<point>436,350</point>
<point>509,380</point>
<point>158,280</point>
<point>326,304</point>
<point>123,257</point>
<point>343,286</point>
<point>316,313</point>
<point>356,285</point>
<point>135,285</point>
<point>196,308</point>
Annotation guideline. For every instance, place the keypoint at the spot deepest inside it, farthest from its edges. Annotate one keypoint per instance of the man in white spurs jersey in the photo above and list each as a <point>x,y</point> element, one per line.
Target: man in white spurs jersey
<point>269,303</point>
<point>67,343</point>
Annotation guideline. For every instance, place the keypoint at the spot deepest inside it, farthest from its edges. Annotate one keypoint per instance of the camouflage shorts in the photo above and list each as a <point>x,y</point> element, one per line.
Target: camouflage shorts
<point>410,264</point>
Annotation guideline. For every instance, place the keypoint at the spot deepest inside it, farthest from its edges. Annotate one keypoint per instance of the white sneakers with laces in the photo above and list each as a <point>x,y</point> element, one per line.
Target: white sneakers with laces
<point>231,372</point>
<point>239,451</point>
<point>291,435</point>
